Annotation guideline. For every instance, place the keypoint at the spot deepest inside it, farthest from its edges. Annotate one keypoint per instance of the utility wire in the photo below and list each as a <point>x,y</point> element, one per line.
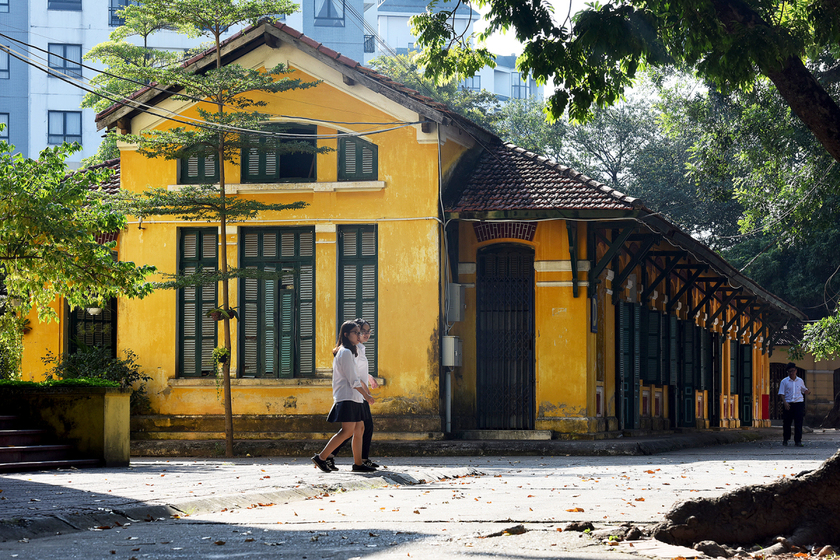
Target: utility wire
<point>189,121</point>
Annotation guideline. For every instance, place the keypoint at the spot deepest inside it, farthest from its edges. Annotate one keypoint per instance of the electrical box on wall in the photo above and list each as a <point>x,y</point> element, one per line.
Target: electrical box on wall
<point>456,302</point>
<point>452,352</point>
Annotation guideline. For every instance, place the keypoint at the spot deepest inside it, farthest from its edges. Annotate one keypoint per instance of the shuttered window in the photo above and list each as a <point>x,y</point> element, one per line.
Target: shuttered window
<point>272,160</point>
<point>93,331</point>
<point>277,315</point>
<point>650,346</point>
<point>357,263</point>
<point>357,160</point>
<point>196,332</point>
<point>197,170</point>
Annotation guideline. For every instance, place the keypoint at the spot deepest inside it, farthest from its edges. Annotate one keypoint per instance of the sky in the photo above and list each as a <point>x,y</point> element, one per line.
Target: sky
<point>507,44</point>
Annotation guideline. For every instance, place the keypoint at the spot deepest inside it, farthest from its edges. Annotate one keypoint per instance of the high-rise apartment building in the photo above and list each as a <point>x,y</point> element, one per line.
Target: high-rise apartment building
<point>42,109</point>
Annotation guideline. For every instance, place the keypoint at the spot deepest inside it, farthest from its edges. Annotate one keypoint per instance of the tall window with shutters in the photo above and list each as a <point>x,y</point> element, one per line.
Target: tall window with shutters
<point>277,313</point>
<point>198,170</point>
<point>357,160</point>
<point>357,281</point>
<point>198,251</point>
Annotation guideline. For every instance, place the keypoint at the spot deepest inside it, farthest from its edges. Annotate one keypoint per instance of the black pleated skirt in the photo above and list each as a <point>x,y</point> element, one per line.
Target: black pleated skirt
<point>346,411</point>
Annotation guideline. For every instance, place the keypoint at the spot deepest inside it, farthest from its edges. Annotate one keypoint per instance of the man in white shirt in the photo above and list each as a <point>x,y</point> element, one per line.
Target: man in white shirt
<point>793,389</point>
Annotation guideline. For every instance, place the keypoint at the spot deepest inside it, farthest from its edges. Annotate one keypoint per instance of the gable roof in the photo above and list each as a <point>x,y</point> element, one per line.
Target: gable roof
<point>507,177</point>
<point>264,33</point>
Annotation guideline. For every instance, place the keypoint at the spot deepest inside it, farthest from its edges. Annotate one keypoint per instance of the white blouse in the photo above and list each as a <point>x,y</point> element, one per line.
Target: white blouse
<point>345,377</point>
<point>362,365</point>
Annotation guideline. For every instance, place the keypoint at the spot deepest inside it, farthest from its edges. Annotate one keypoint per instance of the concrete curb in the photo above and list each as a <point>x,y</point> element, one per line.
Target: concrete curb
<point>45,526</point>
<point>461,448</point>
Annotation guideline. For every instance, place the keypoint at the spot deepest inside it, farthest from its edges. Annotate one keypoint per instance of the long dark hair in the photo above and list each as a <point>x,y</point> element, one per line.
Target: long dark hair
<point>345,329</point>
<point>361,322</point>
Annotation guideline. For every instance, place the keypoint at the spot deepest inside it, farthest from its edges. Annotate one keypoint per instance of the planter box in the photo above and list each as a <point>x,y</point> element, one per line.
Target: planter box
<point>94,420</point>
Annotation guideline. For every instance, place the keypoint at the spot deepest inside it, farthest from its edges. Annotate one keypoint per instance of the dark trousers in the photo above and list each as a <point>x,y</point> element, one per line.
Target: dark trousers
<point>795,414</point>
<point>366,439</point>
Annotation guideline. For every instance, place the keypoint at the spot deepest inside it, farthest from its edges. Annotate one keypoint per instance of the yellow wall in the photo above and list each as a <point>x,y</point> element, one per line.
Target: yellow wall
<point>405,211</point>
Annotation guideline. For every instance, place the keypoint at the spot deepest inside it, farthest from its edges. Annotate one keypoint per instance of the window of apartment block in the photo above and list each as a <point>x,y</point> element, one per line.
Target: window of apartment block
<point>4,120</point>
<point>197,333</point>
<point>370,44</point>
<point>68,5</point>
<point>357,281</point>
<point>4,64</point>
<point>471,84</point>
<point>65,60</point>
<point>329,13</point>
<point>4,6</point>
<point>270,160</point>
<point>277,307</point>
<point>114,6</point>
<point>64,126</point>
<point>519,88</point>
<point>357,160</point>
<point>198,170</point>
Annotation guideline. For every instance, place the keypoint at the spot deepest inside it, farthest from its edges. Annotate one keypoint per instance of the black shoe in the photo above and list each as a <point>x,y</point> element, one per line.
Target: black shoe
<point>784,442</point>
<point>798,444</point>
<point>362,468</point>
<point>369,463</point>
<point>331,463</point>
<point>321,464</point>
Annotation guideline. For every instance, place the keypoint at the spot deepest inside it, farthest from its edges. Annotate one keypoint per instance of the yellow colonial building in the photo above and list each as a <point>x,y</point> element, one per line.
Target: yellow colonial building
<point>506,292</point>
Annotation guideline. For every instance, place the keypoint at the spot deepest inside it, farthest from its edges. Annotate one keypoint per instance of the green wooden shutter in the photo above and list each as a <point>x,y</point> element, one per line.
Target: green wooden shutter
<point>198,170</point>
<point>674,350</point>
<point>746,384</point>
<point>197,334</point>
<point>358,281</point>
<point>686,385</point>
<point>278,317</point>
<point>651,346</point>
<point>625,363</point>
<point>358,160</point>
<point>268,160</point>
<point>733,368</point>
<point>636,395</point>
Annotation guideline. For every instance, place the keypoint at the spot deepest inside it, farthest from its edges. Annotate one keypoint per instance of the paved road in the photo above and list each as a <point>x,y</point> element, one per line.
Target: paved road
<point>250,507</point>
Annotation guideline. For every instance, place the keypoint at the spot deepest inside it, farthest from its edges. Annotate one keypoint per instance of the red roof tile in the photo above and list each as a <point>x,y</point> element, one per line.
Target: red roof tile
<point>112,185</point>
<point>507,177</point>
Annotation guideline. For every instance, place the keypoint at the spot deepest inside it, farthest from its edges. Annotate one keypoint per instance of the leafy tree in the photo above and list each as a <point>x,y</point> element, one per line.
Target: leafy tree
<point>479,106</point>
<point>123,58</point>
<point>225,111</point>
<point>49,222</point>
<point>595,56</point>
<point>626,147</point>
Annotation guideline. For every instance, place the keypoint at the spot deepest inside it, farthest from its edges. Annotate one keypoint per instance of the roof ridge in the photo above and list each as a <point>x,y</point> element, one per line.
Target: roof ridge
<point>572,173</point>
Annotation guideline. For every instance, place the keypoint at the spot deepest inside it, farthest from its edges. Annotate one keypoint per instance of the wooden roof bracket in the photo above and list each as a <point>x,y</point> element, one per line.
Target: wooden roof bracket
<point>723,305</point>
<point>662,275</point>
<point>612,250</point>
<point>687,286</point>
<point>738,310</point>
<point>706,299</point>
<point>634,262</point>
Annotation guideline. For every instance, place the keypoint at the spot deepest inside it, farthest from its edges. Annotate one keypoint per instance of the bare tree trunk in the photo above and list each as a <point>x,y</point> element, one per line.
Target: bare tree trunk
<point>801,509</point>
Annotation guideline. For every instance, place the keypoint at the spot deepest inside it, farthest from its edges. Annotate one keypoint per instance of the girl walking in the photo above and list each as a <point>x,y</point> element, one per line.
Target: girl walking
<point>348,395</point>
<point>369,381</point>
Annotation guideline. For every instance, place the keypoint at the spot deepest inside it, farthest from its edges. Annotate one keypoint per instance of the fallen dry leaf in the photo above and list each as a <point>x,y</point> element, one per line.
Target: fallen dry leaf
<point>219,543</point>
<point>577,509</point>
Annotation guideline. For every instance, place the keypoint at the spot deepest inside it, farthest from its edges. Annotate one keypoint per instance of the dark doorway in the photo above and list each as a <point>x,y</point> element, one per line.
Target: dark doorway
<point>777,402</point>
<point>505,336</point>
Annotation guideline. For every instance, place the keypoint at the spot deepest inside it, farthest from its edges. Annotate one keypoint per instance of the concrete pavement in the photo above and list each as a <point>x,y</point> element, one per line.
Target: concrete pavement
<point>36,504</point>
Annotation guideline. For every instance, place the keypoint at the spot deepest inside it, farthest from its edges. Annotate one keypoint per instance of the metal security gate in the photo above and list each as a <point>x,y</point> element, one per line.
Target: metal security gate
<point>505,337</point>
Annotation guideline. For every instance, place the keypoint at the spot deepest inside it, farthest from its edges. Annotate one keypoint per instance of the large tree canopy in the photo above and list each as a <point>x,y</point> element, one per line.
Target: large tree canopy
<point>728,42</point>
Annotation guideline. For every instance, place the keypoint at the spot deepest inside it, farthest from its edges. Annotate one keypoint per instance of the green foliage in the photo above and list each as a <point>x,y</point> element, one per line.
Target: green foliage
<point>49,221</point>
<point>99,363</point>
<point>822,338</point>
<point>48,383</point>
<point>481,107</point>
<point>107,150</point>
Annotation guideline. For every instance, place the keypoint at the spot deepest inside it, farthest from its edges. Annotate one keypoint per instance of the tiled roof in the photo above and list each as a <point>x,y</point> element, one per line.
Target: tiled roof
<point>510,178</point>
<point>112,185</point>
